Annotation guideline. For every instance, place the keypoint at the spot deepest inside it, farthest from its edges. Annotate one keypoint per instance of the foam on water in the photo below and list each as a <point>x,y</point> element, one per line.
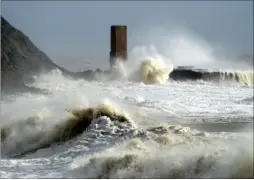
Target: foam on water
<point>147,106</point>
<point>139,148</point>
<point>170,156</point>
<point>36,132</point>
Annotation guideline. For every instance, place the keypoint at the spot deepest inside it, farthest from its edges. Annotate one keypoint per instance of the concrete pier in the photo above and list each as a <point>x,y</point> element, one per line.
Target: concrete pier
<point>118,43</point>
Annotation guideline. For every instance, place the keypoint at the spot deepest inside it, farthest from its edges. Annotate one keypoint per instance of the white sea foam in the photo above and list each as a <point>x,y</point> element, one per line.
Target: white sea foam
<point>171,156</point>
<point>142,89</point>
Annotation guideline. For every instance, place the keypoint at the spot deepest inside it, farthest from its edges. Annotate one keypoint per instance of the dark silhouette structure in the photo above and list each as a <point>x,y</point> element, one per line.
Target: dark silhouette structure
<point>118,43</point>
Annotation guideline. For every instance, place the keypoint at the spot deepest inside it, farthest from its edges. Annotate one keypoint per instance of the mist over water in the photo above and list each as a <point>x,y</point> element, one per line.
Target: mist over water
<point>151,64</point>
<point>182,47</point>
<point>148,71</point>
<point>154,141</point>
<point>169,49</point>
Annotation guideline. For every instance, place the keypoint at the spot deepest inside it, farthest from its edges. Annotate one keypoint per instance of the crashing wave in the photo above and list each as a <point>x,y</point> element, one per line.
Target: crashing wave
<point>246,78</point>
<point>83,118</point>
<point>149,71</point>
<point>34,133</point>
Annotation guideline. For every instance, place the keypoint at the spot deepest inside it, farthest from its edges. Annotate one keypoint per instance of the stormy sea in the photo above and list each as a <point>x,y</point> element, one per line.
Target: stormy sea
<point>144,118</point>
<point>137,125</point>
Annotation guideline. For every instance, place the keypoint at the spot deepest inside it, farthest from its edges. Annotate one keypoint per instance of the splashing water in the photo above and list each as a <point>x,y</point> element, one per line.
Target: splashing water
<point>166,157</point>
<point>111,149</point>
<point>111,146</point>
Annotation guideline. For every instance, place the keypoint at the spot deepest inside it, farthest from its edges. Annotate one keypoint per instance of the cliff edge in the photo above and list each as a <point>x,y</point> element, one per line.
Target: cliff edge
<point>21,59</point>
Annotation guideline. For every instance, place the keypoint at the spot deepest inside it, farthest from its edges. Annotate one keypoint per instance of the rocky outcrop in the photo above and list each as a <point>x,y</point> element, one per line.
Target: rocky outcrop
<point>20,59</point>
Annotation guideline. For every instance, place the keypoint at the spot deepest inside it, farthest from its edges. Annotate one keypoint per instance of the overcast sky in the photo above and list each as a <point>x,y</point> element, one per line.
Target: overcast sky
<point>79,31</point>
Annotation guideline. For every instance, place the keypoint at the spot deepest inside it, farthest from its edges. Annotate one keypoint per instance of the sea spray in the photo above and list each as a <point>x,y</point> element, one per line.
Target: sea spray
<point>37,132</point>
<point>82,118</point>
<point>149,71</point>
<point>246,78</point>
<point>230,76</point>
<point>173,156</point>
<point>196,156</point>
<point>185,48</point>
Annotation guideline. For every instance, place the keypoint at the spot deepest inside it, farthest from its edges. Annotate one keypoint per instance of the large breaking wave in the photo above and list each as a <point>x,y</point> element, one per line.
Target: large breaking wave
<point>36,132</point>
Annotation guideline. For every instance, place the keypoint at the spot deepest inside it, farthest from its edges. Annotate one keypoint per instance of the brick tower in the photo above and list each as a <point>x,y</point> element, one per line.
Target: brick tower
<point>118,43</point>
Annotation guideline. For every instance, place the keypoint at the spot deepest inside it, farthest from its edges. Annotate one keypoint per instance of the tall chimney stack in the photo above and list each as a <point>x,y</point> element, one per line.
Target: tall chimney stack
<point>118,43</point>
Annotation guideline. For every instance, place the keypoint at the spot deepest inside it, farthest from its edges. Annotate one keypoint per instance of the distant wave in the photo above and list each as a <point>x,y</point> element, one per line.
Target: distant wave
<point>241,77</point>
<point>246,78</point>
<point>250,99</point>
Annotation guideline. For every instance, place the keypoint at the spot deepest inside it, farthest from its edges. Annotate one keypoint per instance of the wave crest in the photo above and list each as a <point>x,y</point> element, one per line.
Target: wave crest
<point>35,132</point>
